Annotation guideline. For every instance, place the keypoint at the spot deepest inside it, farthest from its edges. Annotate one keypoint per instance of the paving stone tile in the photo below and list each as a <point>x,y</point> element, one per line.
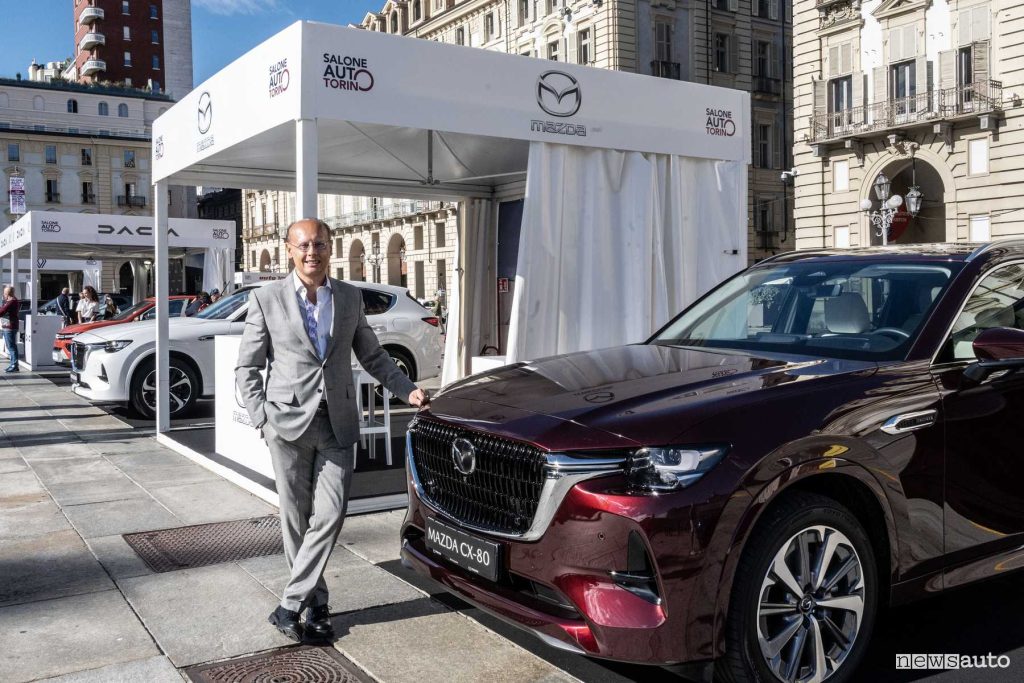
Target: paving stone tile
<point>436,645</point>
<point>153,455</point>
<point>19,484</point>
<point>48,566</point>
<point>217,612</point>
<point>12,464</point>
<point>60,447</point>
<point>120,517</point>
<point>216,501</point>
<point>89,467</point>
<point>100,491</point>
<point>171,475</point>
<point>89,631</point>
<point>117,557</point>
<point>150,670</point>
<point>365,535</point>
<point>30,516</point>
<point>107,444</point>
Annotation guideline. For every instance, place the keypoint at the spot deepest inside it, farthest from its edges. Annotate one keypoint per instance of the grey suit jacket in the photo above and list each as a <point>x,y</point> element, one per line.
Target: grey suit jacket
<point>275,338</point>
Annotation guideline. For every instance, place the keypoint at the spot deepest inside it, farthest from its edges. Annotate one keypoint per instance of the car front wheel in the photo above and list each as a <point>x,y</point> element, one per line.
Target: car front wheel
<point>804,598</point>
<point>182,389</point>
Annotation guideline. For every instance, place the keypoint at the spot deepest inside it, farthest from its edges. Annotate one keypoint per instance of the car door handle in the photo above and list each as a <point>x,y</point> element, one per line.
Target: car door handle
<point>909,422</point>
<point>206,337</point>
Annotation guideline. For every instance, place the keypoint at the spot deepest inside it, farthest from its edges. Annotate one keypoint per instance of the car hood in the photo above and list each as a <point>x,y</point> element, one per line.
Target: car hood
<point>643,393</point>
<point>145,330</point>
<point>88,327</point>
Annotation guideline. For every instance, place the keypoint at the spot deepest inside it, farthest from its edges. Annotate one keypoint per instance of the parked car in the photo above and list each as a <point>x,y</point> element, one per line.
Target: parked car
<point>822,435</point>
<point>144,310</point>
<point>117,363</point>
<point>122,301</point>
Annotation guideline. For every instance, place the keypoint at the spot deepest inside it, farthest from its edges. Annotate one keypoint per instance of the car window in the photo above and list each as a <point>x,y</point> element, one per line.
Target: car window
<point>841,309</point>
<point>376,302</point>
<point>223,308</point>
<point>129,313</point>
<point>173,310</point>
<point>997,301</point>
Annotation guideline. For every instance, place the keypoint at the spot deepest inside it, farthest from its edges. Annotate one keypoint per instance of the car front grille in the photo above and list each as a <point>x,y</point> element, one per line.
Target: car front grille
<point>500,495</point>
<point>77,356</point>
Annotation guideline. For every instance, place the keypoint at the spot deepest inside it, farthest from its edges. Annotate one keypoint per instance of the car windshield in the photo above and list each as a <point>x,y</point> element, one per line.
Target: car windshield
<point>833,309</point>
<point>132,311</point>
<point>226,306</point>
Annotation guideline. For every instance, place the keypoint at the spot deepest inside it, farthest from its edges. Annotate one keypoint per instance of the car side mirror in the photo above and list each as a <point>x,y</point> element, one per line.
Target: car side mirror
<point>997,348</point>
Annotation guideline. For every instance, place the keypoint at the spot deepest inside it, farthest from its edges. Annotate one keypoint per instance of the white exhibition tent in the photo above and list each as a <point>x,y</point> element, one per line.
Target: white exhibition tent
<point>635,187</point>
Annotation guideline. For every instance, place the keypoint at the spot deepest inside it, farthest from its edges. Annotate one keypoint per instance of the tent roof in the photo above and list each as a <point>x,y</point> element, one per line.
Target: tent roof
<point>380,100</point>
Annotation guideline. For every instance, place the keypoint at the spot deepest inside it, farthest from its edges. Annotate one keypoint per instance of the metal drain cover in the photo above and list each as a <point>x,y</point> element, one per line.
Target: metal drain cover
<point>185,547</point>
<point>303,664</point>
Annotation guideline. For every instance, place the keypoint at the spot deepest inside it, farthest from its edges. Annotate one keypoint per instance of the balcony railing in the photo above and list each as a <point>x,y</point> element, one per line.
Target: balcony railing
<point>768,86</point>
<point>976,98</point>
<point>93,66</point>
<point>91,40</point>
<point>665,69</point>
<point>383,213</point>
<point>133,201</point>
<point>90,14</point>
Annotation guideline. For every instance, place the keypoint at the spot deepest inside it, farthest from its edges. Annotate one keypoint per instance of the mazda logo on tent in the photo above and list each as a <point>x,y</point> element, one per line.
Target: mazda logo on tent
<point>205,113</point>
<point>558,93</point>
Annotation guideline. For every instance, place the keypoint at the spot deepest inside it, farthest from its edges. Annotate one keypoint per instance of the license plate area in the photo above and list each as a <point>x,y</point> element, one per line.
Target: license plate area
<point>465,550</point>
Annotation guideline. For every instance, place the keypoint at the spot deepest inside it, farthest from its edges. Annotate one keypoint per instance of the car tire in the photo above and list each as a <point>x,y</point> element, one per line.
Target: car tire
<point>825,629</point>
<point>184,389</point>
<point>404,361</point>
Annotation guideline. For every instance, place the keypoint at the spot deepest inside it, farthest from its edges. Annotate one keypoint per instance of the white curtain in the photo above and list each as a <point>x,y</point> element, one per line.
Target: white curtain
<point>75,281</point>
<point>140,280</point>
<point>91,276</point>
<point>472,317</point>
<point>613,244</point>
<point>216,269</point>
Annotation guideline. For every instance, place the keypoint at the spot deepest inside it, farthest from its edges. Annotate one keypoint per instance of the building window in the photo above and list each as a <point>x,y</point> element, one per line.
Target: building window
<point>763,215</point>
<point>662,40</point>
<point>524,11</point>
<point>417,12</point>
<point>980,229</point>
<point>460,36</point>
<point>129,190</point>
<point>52,191</point>
<point>124,7</point>
<point>394,21</point>
<point>103,109</point>
<point>763,156</point>
<point>72,106</point>
<point>127,58</point>
<point>442,276</point>
<point>127,33</point>
<point>553,50</point>
<point>439,235</point>
<point>418,280</point>
<point>156,86</point>
<point>417,237</point>
<point>156,62</point>
<point>977,156</point>
<point>122,110</point>
<point>86,157</point>
<point>51,154</point>
<point>153,13</point>
<point>488,27</point>
<point>762,58</point>
<point>841,236</point>
<point>154,37</point>
<point>88,197</point>
<point>903,79</point>
<point>13,151</point>
<point>583,46</point>
<point>129,158</point>
<point>841,176</point>
<point>722,53</point>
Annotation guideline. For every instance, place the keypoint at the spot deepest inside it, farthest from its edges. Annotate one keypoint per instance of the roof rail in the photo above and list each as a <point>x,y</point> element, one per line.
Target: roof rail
<point>985,248</point>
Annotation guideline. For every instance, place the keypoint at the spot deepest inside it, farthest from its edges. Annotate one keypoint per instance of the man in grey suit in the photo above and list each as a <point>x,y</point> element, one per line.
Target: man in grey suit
<point>302,330</point>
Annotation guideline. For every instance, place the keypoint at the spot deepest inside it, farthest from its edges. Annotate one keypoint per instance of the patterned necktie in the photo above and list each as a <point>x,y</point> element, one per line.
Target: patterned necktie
<point>311,327</point>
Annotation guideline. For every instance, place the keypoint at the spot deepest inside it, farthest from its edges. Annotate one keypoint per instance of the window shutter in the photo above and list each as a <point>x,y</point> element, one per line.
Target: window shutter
<point>776,145</point>
<point>857,95</point>
<point>895,42</point>
<point>979,59</point>
<point>947,69</point>
<point>964,27</point>
<point>880,84</point>
<point>773,9</point>
<point>979,23</point>
<point>921,83</point>
<point>754,9</point>
<point>820,98</point>
<point>734,53</point>
<point>734,5</point>
<point>833,61</point>
<point>846,58</point>
<point>910,42</point>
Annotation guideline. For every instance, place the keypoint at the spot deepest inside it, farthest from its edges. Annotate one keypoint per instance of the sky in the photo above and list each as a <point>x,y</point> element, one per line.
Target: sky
<point>222,30</point>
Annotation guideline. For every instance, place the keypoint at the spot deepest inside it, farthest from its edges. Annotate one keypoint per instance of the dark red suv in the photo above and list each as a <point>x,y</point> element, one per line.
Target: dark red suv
<point>824,434</point>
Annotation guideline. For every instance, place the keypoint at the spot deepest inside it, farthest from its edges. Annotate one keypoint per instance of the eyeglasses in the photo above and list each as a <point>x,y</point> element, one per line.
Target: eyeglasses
<point>308,246</point>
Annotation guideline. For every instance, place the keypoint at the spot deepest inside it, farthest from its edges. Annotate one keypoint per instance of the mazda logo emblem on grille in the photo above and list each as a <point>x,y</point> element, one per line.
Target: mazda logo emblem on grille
<point>464,456</point>
<point>558,93</point>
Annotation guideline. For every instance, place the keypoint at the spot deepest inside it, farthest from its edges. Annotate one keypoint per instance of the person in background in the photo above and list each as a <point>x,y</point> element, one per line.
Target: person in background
<point>64,307</point>
<point>9,324</point>
<point>88,305</point>
<point>201,302</point>
<point>214,296</point>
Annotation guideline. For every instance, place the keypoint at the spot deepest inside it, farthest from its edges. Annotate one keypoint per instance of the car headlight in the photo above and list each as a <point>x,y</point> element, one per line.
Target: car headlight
<point>115,346</point>
<point>673,467</point>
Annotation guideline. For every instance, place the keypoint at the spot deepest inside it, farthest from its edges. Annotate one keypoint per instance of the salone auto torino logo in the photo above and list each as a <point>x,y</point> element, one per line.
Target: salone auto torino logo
<point>50,226</point>
<point>158,148</point>
<point>558,94</point>
<point>280,77</point>
<point>344,72</point>
<point>719,122</point>
<point>221,234</point>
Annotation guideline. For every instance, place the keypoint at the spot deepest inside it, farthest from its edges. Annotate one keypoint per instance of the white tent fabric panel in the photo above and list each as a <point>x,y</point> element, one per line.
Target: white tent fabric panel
<point>140,280</point>
<point>217,269</point>
<point>647,235</point>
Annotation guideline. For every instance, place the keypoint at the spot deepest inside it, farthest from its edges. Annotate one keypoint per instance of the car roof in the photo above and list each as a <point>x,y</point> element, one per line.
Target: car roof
<point>946,251</point>
<point>391,289</point>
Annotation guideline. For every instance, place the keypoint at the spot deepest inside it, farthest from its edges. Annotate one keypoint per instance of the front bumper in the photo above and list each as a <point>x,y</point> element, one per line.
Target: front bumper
<point>561,589</point>
<point>99,378</point>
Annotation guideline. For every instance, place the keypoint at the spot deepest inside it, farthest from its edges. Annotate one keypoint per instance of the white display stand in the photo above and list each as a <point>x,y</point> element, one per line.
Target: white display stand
<point>40,331</point>
<point>485,363</point>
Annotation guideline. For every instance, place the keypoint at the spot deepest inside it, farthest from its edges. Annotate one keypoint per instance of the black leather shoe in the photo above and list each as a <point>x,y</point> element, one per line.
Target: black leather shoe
<point>287,622</point>
<point>318,622</point>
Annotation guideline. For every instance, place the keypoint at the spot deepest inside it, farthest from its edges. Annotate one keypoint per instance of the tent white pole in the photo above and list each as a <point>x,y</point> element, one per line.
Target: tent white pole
<point>160,265</point>
<point>14,272</point>
<point>307,166</point>
<point>33,278</point>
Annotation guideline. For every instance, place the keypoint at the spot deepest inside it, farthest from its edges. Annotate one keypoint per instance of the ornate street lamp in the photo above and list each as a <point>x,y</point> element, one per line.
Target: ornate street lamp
<point>881,220</point>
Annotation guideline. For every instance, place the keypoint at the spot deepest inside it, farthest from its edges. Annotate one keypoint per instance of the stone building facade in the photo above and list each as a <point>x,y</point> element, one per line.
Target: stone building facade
<point>926,94</point>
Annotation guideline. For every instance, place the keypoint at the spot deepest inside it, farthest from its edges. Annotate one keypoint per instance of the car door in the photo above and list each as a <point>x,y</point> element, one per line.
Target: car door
<point>984,480</point>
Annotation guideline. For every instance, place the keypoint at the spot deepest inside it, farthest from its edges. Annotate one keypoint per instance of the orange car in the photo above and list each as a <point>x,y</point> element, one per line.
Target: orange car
<point>144,310</point>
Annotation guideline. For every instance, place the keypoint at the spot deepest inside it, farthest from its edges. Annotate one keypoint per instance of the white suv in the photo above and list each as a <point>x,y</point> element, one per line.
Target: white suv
<point>117,364</point>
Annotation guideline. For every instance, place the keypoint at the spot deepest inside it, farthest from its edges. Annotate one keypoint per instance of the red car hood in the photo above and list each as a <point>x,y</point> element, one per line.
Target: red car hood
<point>86,327</point>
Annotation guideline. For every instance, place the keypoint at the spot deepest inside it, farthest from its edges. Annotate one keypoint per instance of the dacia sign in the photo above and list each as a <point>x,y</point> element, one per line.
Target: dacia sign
<point>141,231</point>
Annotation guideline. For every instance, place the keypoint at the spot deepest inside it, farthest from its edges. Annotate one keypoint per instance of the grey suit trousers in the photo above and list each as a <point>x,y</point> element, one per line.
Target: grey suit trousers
<point>313,475</point>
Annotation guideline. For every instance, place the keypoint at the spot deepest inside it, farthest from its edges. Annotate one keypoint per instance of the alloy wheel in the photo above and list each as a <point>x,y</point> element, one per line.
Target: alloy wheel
<point>811,605</point>
<point>179,390</point>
